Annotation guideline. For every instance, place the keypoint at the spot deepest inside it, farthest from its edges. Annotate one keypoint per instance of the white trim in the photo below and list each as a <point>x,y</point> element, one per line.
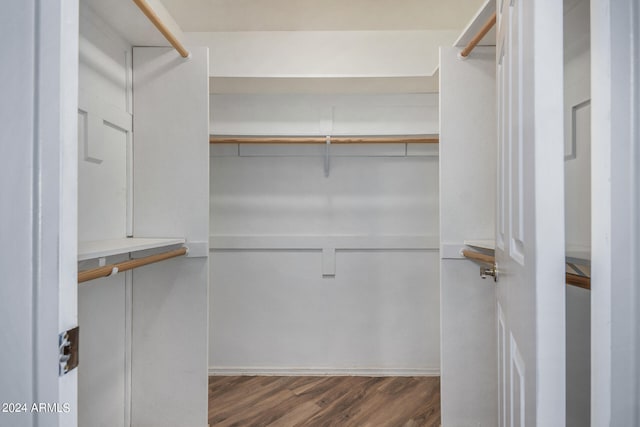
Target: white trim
<point>615,308</point>
<point>545,18</point>
<point>363,372</point>
<point>128,344</point>
<point>68,195</point>
<point>572,152</point>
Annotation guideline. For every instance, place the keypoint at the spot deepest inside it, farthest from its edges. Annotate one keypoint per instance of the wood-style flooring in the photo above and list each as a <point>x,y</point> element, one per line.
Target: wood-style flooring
<point>324,401</point>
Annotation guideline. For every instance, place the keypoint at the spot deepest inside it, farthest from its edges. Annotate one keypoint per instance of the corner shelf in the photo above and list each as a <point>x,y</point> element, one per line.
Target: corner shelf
<point>104,248</point>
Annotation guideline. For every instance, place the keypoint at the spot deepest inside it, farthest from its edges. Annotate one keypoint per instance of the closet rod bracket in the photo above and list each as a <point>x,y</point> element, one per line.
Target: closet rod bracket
<point>327,154</point>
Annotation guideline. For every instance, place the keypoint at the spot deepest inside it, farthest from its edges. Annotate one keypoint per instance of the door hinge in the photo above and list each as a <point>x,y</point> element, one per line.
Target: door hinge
<point>68,345</point>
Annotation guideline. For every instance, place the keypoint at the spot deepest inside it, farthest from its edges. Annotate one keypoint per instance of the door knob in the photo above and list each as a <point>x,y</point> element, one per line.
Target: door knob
<point>489,271</point>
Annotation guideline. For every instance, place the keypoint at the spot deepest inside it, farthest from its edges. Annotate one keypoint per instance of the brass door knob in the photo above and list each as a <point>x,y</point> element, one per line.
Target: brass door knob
<point>489,271</point>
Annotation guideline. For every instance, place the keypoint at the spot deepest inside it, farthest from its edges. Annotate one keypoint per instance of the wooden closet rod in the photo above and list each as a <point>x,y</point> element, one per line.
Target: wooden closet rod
<point>570,278</point>
<point>477,256</point>
<point>155,20</point>
<point>476,39</point>
<point>579,281</point>
<point>410,139</point>
<point>108,270</point>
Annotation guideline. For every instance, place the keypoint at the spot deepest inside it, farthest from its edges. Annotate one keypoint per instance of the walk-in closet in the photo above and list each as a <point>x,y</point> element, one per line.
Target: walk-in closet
<point>293,213</point>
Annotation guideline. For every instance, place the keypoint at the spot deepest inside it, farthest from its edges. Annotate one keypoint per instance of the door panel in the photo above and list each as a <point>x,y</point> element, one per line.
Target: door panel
<point>517,389</point>
<point>530,214</point>
<point>502,369</point>
<point>515,136</point>
<point>502,165</point>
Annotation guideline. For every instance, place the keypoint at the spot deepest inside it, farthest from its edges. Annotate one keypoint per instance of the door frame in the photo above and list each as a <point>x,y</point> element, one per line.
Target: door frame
<point>55,285</point>
<point>615,246</point>
<point>39,184</point>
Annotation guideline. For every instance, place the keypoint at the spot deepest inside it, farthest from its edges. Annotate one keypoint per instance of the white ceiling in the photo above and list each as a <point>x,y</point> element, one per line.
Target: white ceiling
<point>321,15</point>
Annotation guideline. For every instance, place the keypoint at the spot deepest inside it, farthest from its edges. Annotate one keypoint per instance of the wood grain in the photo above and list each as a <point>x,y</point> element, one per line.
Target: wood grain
<point>476,39</point>
<point>477,256</point>
<point>579,281</point>
<point>107,270</point>
<point>570,278</point>
<point>157,22</point>
<point>324,401</point>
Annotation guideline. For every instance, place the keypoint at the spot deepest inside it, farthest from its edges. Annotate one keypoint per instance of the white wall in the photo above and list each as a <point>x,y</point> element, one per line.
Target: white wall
<point>104,123</point>
<point>577,98</point>
<point>324,114</point>
<point>577,78</point>
<point>171,188</point>
<point>143,333</point>
<point>315,274</point>
<point>323,53</point>
<point>467,212</point>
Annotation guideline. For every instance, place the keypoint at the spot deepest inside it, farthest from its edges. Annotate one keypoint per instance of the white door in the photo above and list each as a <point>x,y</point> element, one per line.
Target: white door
<point>37,209</point>
<point>530,214</point>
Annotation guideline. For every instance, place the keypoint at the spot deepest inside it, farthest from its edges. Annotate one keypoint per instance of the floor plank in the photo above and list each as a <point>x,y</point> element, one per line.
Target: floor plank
<point>324,401</point>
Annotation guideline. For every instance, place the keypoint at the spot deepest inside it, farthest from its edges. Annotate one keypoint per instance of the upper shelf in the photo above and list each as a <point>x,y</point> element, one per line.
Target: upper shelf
<point>482,244</point>
<point>130,22</point>
<point>381,139</point>
<point>103,248</point>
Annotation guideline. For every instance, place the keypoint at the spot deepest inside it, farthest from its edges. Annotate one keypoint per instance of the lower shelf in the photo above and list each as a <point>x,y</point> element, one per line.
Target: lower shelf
<point>104,248</point>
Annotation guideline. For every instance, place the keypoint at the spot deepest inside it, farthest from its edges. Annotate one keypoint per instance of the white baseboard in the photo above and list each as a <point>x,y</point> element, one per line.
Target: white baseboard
<point>361,372</point>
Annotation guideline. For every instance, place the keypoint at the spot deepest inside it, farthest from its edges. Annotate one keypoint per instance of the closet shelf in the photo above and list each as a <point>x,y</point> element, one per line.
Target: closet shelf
<point>482,244</point>
<point>338,139</point>
<point>104,248</point>
<point>579,257</point>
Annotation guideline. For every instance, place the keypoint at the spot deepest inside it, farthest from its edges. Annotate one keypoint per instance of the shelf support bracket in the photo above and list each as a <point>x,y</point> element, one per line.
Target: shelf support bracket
<point>327,156</point>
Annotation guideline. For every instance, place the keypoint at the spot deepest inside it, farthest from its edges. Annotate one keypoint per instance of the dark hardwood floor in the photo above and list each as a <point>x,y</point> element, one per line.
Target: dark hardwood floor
<point>324,401</point>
